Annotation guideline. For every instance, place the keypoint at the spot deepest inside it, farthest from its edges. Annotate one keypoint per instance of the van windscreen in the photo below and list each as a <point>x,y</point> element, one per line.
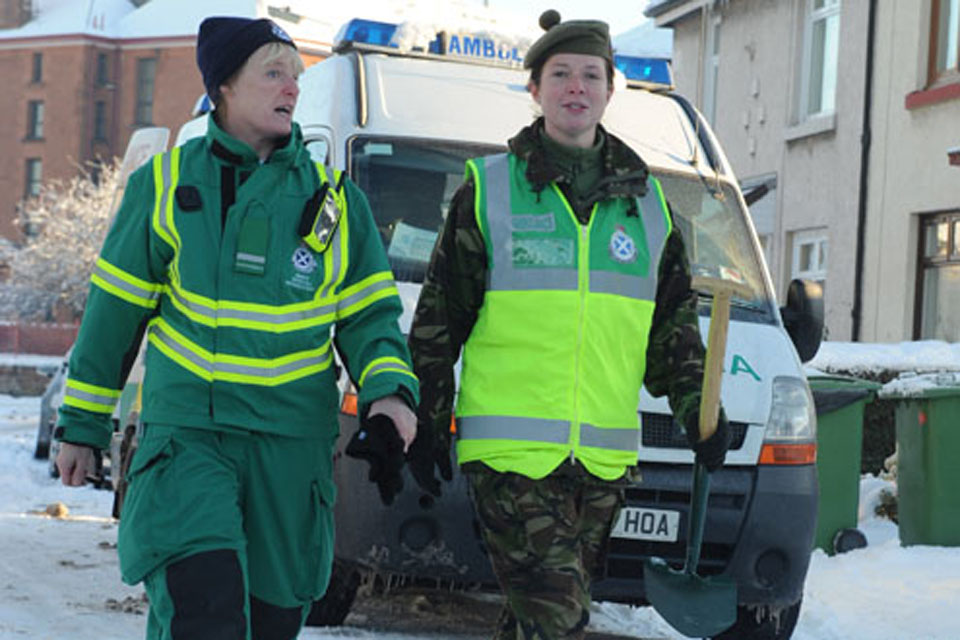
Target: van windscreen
<point>410,182</point>
<point>718,240</point>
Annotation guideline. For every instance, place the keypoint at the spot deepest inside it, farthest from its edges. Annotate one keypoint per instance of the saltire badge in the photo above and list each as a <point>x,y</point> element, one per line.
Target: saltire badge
<point>622,247</point>
<point>303,260</point>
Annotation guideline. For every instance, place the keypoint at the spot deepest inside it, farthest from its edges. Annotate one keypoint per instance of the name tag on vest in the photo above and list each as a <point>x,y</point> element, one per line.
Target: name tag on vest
<point>544,223</point>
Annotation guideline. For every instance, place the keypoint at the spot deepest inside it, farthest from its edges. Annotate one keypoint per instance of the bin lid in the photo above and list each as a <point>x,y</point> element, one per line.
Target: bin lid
<point>832,392</point>
<point>926,385</point>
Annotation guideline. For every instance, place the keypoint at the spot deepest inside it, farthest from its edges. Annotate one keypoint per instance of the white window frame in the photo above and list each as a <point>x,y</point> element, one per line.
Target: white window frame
<point>945,33</point>
<point>819,245</point>
<point>831,45</point>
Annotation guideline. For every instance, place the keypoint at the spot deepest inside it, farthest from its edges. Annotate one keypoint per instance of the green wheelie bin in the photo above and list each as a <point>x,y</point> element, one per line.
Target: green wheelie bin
<point>839,401</point>
<point>928,441</point>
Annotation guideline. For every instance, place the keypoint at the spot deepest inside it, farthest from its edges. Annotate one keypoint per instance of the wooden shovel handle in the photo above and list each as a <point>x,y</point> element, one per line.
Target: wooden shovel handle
<point>722,291</point>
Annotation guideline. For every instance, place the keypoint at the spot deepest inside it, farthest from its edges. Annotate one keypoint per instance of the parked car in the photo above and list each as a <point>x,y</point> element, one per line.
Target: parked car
<point>49,401</point>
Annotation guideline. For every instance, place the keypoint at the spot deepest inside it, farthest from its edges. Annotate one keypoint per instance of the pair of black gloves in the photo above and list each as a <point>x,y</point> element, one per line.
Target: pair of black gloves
<point>378,443</point>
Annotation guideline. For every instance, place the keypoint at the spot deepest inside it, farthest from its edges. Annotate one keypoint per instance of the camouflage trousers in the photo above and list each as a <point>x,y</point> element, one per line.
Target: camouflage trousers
<point>546,540</point>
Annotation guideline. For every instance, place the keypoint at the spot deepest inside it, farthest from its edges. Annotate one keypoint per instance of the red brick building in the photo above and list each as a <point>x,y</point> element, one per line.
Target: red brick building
<point>77,77</point>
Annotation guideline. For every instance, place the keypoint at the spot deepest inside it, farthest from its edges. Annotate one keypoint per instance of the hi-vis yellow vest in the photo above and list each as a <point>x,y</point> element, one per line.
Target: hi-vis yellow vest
<point>554,364</point>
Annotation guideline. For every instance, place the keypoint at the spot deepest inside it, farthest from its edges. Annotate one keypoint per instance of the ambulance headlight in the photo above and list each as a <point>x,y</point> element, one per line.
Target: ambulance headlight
<point>790,438</point>
<point>792,414</point>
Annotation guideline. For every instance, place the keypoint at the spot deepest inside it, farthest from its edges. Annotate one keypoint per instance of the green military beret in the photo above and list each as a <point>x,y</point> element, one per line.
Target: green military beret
<point>590,37</point>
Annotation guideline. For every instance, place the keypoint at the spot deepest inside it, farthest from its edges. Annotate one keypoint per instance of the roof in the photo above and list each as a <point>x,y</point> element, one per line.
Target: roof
<point>659,7</point>
<point>304,20</point>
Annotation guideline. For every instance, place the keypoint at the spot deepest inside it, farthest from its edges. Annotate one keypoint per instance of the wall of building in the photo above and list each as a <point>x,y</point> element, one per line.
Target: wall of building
<point>909,172</point>
<point>816,168</point>
<point>69,90</point>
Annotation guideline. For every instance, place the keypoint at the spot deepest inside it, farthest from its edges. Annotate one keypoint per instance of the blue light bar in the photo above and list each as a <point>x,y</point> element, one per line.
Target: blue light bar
<point>368,32</point>
<point>652,70</point>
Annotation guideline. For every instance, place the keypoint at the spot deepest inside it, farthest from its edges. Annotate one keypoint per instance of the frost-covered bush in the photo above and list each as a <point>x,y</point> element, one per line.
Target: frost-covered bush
<point>63,227</point>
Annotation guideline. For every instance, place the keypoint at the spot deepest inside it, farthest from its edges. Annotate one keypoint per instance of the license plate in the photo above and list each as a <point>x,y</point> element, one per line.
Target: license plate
<point>638,523</point>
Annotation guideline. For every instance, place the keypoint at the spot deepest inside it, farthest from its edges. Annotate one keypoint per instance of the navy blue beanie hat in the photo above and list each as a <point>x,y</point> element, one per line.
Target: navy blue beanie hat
<point>225,43</point>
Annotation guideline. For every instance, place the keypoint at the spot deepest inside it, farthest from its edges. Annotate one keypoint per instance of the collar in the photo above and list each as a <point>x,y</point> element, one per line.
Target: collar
<point>239,153</point>
<point>624,173</point>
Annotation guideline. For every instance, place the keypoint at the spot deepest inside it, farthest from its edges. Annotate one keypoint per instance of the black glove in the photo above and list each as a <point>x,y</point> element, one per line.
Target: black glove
<point>378,442</point>
<point>712,451</point>
<point>425,453</point>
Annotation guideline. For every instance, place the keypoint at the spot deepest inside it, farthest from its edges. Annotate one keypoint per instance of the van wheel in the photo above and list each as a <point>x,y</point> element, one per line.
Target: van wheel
<point>333,607</point>
<point>759,623</point>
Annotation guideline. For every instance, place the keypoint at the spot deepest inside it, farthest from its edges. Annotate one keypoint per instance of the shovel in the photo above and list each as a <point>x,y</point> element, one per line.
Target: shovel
<point>694,605</point>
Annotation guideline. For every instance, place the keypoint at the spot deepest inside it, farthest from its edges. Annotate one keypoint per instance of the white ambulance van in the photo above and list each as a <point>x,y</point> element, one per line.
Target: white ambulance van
<point>402,123</point>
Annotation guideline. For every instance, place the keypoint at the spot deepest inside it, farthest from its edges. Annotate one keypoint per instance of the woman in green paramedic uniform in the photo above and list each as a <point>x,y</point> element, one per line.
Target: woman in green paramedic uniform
<point>246,264</point>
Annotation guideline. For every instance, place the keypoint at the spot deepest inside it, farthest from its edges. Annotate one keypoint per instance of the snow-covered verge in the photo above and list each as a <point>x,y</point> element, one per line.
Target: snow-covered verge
<point>59,576</point>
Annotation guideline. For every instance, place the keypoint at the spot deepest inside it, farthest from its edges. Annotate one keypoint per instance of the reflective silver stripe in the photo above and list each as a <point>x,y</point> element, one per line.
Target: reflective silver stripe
<point>252,316</point>
<point>272,372</point>
<point>277,318</point>
<point>365,292</point>
<point>335,252</point>
<point>166,161</point>
<point>70,392</point>
<point>119,283</point>
<point>512,428</point>
<point>250,257</point>
<point>386,366</point>
<point>181,350</point>
<point>624,285</point>
<point>199,309</point>
<point>213,368</point>
<point>616,439</point>
<point>503,276</point>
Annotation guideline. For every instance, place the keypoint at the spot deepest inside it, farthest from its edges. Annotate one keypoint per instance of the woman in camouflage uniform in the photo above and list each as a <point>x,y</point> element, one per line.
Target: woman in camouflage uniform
<point>562,278</point>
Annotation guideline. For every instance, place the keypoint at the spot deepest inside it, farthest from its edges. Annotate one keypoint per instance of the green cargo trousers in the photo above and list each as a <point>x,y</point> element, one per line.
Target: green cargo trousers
<point>231,531</point>
<point>546,540</point>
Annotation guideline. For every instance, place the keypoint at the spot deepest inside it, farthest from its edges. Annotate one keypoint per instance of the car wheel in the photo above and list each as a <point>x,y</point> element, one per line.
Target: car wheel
<point>759,623</point>
<point>333,607</point>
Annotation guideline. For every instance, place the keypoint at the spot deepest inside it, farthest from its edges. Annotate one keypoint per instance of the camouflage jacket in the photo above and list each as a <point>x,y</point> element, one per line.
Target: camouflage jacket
<point>453,292</point>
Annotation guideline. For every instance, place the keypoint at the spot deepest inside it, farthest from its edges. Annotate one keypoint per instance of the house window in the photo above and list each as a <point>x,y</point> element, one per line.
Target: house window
<point>36,75</point>
<point>146,72</point>
<point>945,39</point>
<point>103,70</point>
<point>34,175</point>
<point>939,290</point>
<point>100,120</point>
<point>35,120</point>
<point>821,45</point>
<point>810,255</point>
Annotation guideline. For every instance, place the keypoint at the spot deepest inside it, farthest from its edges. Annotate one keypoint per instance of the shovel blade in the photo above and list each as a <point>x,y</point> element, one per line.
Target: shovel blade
<point>697,607</point>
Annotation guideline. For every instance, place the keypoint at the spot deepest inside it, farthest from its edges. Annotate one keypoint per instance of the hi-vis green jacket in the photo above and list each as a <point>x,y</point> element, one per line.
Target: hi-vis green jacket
<point>237,272</point>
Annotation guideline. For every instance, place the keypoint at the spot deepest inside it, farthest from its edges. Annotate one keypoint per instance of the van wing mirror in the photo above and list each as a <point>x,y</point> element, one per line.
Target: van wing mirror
<point>803,317</point>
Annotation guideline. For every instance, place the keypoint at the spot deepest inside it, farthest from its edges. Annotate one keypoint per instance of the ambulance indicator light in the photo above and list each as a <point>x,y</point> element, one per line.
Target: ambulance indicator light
<point>652,70</point>
<point>368,32</point>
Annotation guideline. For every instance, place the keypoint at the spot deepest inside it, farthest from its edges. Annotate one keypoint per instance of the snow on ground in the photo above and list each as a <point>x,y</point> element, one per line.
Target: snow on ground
<point>59,577</point>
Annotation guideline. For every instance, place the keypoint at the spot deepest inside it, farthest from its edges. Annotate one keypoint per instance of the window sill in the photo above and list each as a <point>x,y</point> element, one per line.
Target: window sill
<point>811,127</point>
<point>925,97</point>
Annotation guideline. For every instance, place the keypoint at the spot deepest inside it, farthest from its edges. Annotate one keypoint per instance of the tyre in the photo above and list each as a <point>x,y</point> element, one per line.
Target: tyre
<point>759,623</point>
<point>333,607</point>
